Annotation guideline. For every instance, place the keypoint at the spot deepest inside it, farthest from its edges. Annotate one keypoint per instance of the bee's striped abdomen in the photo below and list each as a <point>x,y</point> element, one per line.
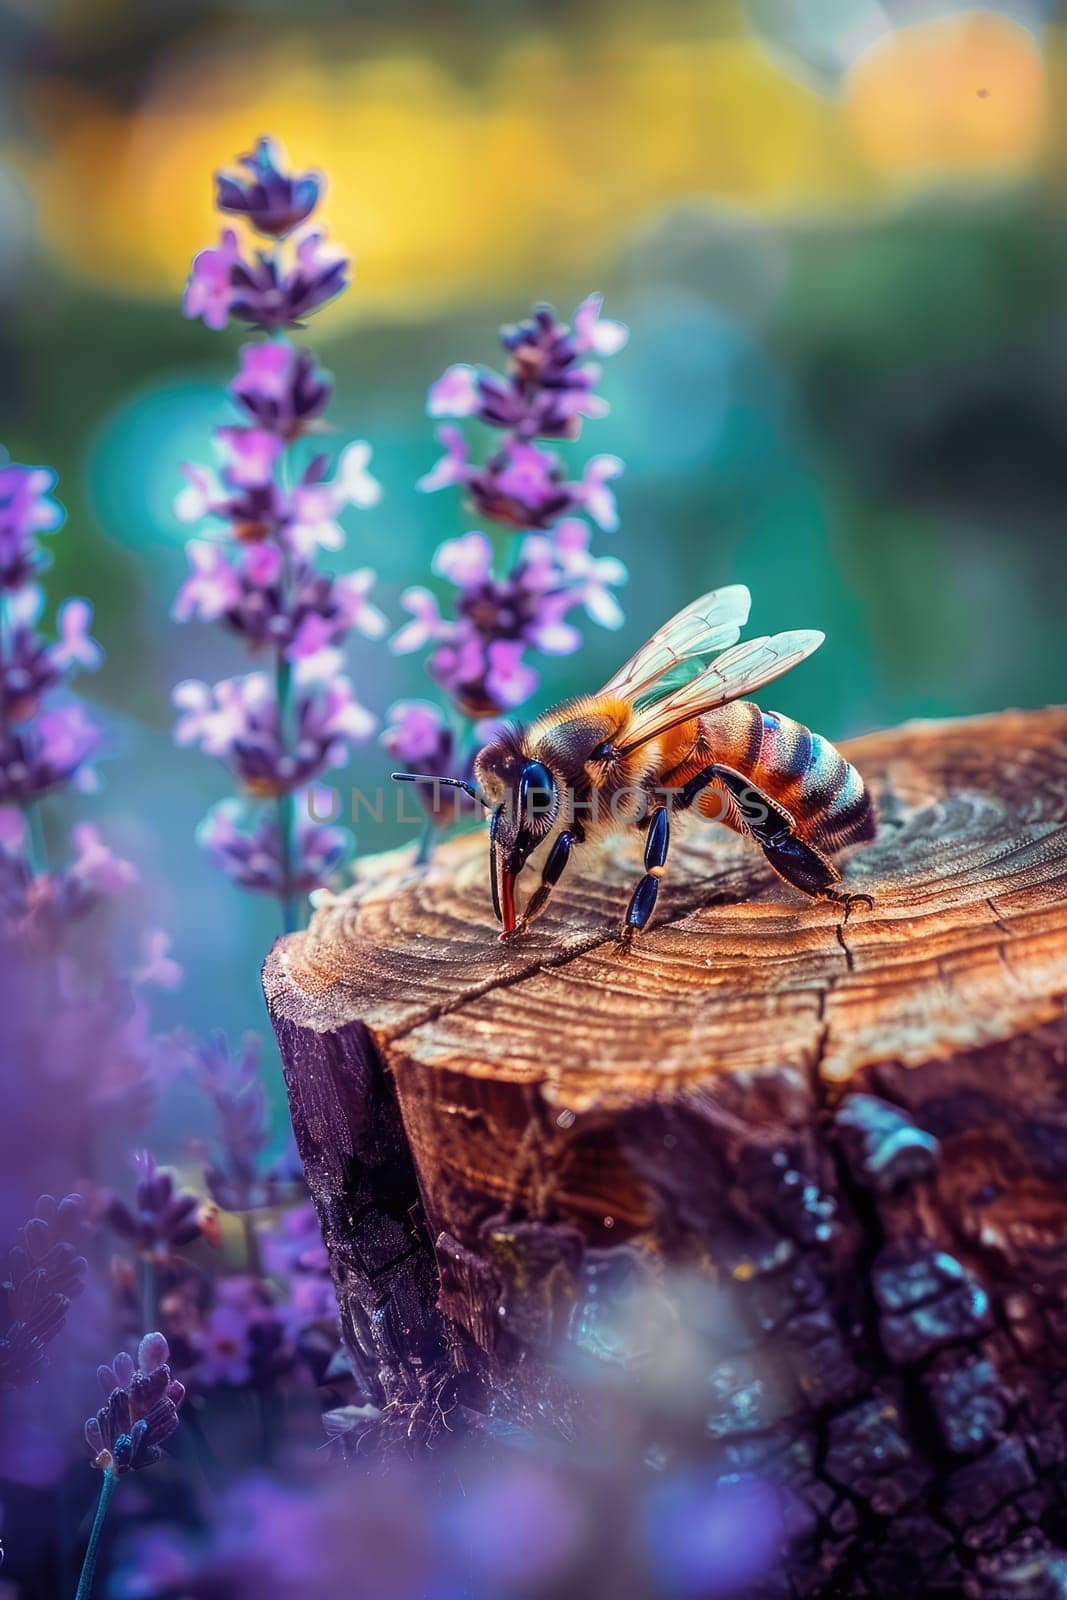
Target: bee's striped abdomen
<point>800,768</point>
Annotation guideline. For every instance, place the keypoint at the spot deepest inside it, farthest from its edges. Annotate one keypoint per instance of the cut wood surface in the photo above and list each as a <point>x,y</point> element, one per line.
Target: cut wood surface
<point>857,1130</point>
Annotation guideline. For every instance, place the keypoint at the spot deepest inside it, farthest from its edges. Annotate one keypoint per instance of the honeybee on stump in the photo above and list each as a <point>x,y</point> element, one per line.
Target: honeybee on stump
<point>668,733</point>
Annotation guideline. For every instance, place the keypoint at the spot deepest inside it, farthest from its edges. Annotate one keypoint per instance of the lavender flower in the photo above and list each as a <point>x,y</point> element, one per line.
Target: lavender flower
<point>26,511</point>
<point>140,1412</point>
<point>261,291</point>
<point>233,1084</point>
<point>479,656</point>
<point>163,1218</point>
<point>282,389</point>
<point>42,747</point>
<point>247,846</point>
<point>240,722</point>
<point>277,733</point>
<point>548,388</point>
<point>523,486</point>
<point>547,392</point>
<point>44,1273</point>
<point>272,202</point>
<point>243,1339</point>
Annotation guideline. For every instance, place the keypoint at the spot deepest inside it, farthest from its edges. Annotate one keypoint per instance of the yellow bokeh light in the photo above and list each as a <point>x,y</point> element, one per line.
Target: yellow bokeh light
<point>443,190</point>
<point>964,93</point>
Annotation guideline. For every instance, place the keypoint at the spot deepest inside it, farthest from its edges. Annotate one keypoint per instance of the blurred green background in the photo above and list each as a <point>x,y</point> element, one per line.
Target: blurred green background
<point>836,228</point>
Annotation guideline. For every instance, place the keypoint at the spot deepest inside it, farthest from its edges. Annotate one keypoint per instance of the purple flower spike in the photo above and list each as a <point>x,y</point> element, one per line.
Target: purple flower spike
<point>163,1218</point>
<point>523,486</point>
<point>246,845</point>
<point>42,1275</point>
<point>548,389</point>
<point>265,294</point>
<point>271,200</point>
<point>479,657</point>
<point>26,511</point>
<point>46,754</point>
<point>233,1084</point>
<point>141,1410</point>
<point>281,388</point>
<point>271,297</point>
<point>280,729</point>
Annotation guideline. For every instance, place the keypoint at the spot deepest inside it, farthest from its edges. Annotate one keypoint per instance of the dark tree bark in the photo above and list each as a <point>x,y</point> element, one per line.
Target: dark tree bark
<point>819,1168</point>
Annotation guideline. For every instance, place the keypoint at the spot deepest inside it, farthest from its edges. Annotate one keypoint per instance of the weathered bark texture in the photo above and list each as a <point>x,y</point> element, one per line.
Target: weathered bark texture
<point>826,1163</point>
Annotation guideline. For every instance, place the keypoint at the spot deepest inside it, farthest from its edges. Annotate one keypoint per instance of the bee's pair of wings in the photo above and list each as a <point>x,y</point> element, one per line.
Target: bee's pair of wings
<point>665,681</point>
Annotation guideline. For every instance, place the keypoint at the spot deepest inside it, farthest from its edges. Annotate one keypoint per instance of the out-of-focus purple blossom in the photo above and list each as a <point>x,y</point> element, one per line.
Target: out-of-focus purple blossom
<point>42,746</point>
<point>95,869</point>
<point>243,1337</point>
<point>274,202</point>
<point>42,904</point>
<point>711,1537</point>
<point>209,292</point>
<point>163,1218</point>
<point>261,291</point>
<point>312,1542</point>
<point>233,1083</point>
<point>293,1243</point>
<point>548,388</point>
<point>224,1348</point>
<point>30,666</point>
<point>140,1412</point>
<point>479,656</point>
<point>281,388</point>
<point>246,845</point>
<point>157,966</point>
<point>517,1528</point>
<point>238,721</point>
<point>43,1273</point>
<point>26,511</point>
<point>418,738</point>
<point>47,753</point>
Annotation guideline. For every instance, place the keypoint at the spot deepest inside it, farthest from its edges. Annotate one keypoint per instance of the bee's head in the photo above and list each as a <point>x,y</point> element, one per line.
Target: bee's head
<point>523,797</point>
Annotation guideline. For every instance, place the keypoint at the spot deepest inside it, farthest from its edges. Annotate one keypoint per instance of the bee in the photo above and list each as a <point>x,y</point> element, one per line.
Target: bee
<point>670,732</point>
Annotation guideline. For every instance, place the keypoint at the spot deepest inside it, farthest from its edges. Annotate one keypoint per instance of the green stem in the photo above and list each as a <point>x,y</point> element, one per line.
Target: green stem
<point>36,848</point>
<point>253,1263</point>
<point>283,684</point>
<point>422,854</point>
<point>85,1582</point>
<point>283,679</point>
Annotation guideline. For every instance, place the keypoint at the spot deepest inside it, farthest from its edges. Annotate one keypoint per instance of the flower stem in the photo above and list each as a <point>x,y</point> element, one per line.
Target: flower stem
<point>283,681</point>
<point>85,1582</point>
<point>36,848</point>
<point>425,850</point>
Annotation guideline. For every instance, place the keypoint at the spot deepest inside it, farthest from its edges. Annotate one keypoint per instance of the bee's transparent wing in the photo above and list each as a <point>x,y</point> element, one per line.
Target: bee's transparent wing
<point>710,624</point>
<point>738,672</point>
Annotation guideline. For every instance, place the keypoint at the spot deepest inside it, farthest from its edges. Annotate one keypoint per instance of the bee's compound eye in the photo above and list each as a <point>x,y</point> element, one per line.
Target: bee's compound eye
<point>537,790</point>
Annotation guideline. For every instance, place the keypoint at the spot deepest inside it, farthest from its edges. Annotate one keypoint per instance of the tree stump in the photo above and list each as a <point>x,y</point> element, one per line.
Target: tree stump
<point>789,1193</point>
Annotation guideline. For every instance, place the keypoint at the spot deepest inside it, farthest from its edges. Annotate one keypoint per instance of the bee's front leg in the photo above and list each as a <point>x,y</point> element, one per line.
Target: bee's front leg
<point>558,857</point>
<point>643,899</point>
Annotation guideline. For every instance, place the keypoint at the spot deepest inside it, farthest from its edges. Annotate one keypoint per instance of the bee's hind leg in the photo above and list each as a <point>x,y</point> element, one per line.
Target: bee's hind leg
<point>809,870</point>
<point>643,899</point>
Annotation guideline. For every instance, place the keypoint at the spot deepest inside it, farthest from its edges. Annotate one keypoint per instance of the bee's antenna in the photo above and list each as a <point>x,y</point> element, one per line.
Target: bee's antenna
<point>449,783</point>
